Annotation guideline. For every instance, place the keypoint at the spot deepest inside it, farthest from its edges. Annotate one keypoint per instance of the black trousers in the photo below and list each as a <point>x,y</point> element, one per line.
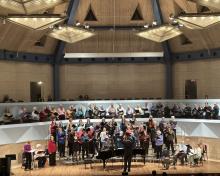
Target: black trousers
<point>182,156</point>
<point>85,149</point>
<point>28,160</point>
<point>127,162</point>
<point>170,145</point>
<point>153,145</point>
<point>174,130</point>
<point>41,161</point>
<point>71,151</point>
<point>144,145</point>
<point>61,149</point>
<point>52,159</point>
<point>91,146</point>
<point>159,151</point>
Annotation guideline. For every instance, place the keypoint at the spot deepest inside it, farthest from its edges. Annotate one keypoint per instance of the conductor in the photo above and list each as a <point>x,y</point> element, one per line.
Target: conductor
<point>128,142</point>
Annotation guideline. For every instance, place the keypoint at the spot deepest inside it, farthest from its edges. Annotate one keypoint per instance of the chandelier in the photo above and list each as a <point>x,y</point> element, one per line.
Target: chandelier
<point>198,21</point>
<point>160,33</point>
<point>29,6</point>
<point>70,34</point>
<point>36,22</point>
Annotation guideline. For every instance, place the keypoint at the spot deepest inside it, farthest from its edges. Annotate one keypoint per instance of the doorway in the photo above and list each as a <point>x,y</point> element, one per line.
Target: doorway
<point>35,91</point>
<point>190,89</point>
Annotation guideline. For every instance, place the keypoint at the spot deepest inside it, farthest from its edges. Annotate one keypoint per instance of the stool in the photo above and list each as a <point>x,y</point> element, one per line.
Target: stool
<point>88,161</point>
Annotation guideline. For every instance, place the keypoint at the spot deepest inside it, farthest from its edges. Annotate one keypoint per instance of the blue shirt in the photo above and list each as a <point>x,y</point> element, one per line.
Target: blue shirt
<point>159,140</point>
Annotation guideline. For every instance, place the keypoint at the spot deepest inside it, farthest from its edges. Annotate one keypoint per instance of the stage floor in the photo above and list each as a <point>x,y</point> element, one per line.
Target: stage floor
<point>138,168</point>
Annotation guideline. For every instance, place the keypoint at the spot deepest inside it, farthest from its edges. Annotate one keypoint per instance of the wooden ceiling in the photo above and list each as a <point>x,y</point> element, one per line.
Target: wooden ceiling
<point>109,13</point>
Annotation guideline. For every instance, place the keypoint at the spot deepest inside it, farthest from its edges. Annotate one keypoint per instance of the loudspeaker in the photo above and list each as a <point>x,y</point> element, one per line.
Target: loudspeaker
<point>11,156</point>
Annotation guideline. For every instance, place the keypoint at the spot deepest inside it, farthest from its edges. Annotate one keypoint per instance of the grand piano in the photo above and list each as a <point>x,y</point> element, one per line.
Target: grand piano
<point>104,155</point>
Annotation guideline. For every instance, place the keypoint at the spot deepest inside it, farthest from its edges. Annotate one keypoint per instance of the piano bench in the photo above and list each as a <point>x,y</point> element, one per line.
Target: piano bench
<point>88,161</point>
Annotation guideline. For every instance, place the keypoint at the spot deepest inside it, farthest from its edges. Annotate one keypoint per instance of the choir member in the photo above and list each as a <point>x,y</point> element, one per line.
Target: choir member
<point>70,112</point>
<point>95,112</point>
<point>79,113</point>
<point>146,111</point>
<point>52,151</point>
<point>45,114</point>
<point>61,113</point>
<point>112,127</point>
<point>151,130</point>
<point>170,137</point>
<point>215,111</point>
<point>27,154</point>
<point>120,111</point>
<point>103,124</point>
<point>54,113</point>
<point>138,111</point>
<point>88,123</point>
<point>89,112</point>
<point>112,111</point>
<point>79,135</point>
<point>195,154</point>
<point>70,125</point>
<point>53,128</point>
<point>181,153</point>
<point>144,139</point>
<point>85,144</point>
<point>104,138</point>
<point>80,125</point>
<point>35,114</point>
<point>129,112</point>
<point>61,142</point>
<point>102,112</point>
<point>39,155</point>
<point>71,141</point>
<point>128,143</point>
<point>173,124</point>
<point>159,144</point>
<point>91,136</point>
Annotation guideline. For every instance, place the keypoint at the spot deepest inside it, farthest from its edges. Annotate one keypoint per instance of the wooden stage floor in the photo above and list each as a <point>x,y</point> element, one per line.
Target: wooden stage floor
<point>138,168</point>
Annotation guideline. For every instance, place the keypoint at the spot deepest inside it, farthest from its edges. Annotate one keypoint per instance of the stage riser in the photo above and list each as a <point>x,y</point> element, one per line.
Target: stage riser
<point>18,133</point>
<point>213,149</point>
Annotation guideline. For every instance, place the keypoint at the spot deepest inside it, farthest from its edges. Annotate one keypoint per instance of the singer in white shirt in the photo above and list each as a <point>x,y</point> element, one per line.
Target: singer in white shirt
<point>194,154</point>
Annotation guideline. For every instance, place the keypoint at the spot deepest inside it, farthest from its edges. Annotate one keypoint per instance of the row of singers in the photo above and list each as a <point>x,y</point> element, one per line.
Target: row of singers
<point>85,138</point>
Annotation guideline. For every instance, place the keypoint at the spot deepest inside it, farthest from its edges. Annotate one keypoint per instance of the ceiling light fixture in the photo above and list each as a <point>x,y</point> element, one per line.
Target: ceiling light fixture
<point>71,34</point>
<point>198,21</point>
<point>29,6</point>
<point>36,22</point>
<point>160,33</point>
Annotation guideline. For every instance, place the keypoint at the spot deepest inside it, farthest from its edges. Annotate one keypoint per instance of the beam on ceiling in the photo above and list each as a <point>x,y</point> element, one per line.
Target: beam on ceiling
<point>167,52</point>
<point>106,60</point>
<point>119,27</point>
<point>25,57</point>
<point>197,55</point>
<point>59,52</point>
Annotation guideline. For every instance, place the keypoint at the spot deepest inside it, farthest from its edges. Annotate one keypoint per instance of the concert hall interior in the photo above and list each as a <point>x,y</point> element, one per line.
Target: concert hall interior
<point>109,87</point>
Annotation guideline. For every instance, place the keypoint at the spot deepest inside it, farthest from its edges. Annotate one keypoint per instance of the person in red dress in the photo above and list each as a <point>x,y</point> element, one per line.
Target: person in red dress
<point>52,151</point>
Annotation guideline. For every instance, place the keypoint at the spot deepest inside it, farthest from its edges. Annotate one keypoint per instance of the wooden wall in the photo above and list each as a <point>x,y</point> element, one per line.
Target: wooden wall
<point>112,80</point>
<point>205,72</point>
<point>15,78</point>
